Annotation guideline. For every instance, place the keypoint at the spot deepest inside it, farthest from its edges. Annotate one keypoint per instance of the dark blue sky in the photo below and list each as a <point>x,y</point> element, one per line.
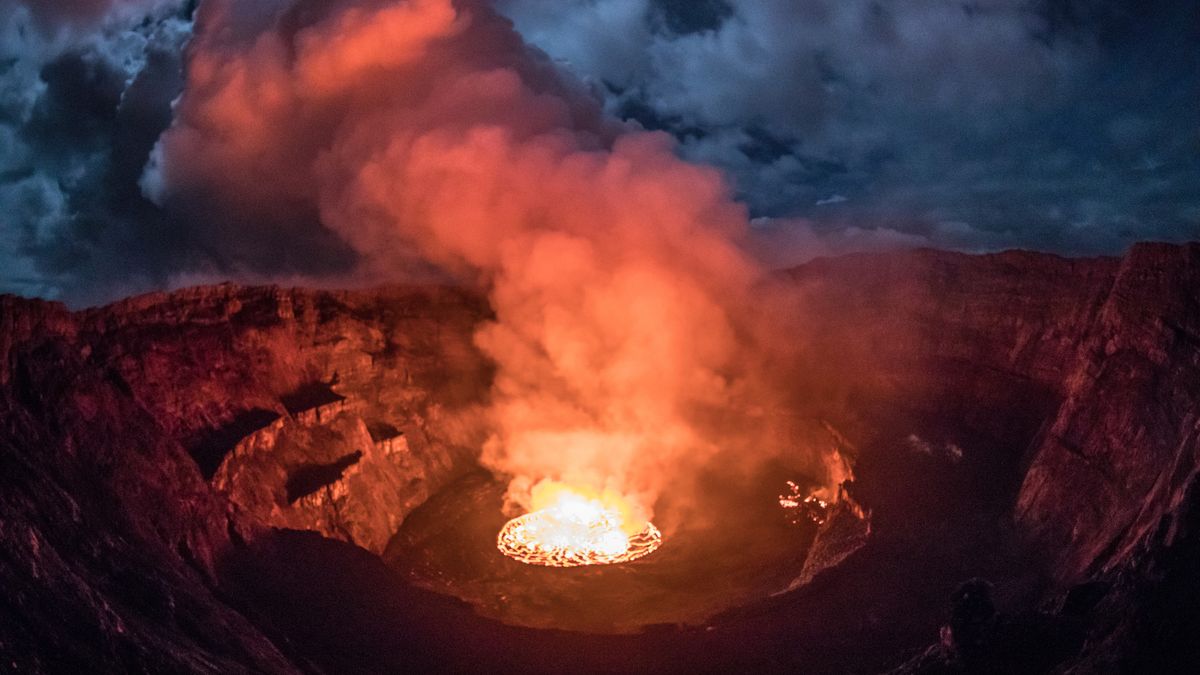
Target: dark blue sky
<point>1059,125</point>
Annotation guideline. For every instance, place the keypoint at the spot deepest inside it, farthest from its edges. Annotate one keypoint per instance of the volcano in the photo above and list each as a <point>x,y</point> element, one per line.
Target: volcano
<point>230,479</point>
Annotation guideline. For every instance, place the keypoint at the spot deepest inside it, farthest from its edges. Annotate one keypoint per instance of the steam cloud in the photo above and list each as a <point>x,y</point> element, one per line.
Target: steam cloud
<point>429,127</point>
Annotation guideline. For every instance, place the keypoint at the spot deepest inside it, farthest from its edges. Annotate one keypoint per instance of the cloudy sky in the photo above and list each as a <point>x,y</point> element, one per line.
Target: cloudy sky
<point>1059,125</point>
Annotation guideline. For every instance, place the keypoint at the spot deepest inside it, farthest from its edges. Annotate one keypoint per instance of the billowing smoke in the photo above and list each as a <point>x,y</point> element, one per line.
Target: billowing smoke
<point>427,130</point>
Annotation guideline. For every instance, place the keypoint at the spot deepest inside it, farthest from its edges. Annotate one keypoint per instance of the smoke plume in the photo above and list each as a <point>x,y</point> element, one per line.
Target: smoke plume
<point>428,130</point>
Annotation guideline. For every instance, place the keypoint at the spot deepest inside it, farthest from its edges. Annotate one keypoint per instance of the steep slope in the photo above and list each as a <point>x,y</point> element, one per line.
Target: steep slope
<point>109,537</point>
<point>112,535</point>
<point>1128,433</point>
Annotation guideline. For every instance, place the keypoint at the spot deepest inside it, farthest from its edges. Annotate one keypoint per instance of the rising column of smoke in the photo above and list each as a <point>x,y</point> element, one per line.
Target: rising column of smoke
<point>428,126</point>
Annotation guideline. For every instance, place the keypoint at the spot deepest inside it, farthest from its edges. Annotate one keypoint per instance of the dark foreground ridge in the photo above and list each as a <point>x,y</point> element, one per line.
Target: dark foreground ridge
<point>1026,430</point>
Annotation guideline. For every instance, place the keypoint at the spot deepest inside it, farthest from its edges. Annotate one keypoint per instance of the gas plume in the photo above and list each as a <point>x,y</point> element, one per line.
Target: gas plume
<point>426,129</point>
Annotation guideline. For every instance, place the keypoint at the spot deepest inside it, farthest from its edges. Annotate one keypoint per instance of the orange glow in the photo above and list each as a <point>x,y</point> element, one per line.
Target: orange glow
<point>575,526</point>
<point>427,130</point>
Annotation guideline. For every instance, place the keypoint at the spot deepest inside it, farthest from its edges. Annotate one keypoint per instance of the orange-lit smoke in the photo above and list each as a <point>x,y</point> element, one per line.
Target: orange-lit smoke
<point>427,126</point>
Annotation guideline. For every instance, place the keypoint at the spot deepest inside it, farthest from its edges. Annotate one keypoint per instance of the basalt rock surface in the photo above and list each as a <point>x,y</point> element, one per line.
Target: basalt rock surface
<point>1021,417</point>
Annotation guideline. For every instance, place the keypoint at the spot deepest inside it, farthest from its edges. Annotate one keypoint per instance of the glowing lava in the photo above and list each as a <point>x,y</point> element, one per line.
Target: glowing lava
<point>570,527</point>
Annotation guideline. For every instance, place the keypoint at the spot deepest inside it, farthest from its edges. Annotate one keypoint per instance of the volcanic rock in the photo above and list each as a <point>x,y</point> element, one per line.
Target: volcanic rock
<point>111,535</point>
<point>1128,433</point>
<point>844,531</point>
<point>263,364</point>
<point>1088,367</point>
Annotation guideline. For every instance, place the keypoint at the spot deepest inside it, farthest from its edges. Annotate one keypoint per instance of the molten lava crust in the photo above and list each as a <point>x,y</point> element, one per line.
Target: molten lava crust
<point>541,538</point>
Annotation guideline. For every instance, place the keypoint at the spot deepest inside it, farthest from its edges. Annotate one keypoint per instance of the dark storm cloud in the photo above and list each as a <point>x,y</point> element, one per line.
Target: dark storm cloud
<point>1059,124</point>
<point>54,14</point>
<point>682,17</point>
<point>85,92</point>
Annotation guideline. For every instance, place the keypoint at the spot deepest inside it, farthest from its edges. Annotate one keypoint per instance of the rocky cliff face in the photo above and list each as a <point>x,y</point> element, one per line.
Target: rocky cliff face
<point>1127,435</point>
<point>115,421</point>
<point>145,444</point>
<point>109,537</point>
<point>1099,355</point>
<point>274,393</point>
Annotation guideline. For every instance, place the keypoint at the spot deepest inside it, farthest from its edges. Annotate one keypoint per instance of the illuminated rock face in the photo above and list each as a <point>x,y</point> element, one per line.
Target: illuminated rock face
<point>229,373</point>
<point>362,383</point>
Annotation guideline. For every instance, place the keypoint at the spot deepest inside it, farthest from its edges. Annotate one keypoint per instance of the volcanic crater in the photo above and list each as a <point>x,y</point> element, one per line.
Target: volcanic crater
<point>236,478</point>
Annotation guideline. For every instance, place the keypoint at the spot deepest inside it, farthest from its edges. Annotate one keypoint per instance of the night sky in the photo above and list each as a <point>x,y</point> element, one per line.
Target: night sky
<point>1058,125</point>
